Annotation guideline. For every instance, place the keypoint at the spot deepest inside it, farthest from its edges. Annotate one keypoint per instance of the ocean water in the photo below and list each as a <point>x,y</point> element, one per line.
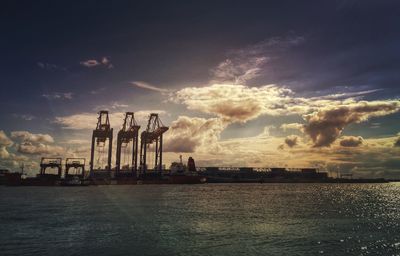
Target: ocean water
<point>209,219</point>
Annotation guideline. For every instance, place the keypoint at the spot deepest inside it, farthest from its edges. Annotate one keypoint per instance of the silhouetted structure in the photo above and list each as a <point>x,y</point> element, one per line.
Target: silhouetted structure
<point>101,135</point>
<point>77,164</point>
<point>191,165</point>
<point>153,134</point>
<point>46,163</point>
<point>129,134</point>
<point>257,174</point>
<point>346,176</point>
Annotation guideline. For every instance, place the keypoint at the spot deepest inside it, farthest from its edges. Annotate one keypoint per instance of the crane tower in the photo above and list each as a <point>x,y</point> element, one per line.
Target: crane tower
<point>127,146</point>
<point>100,154</point>
<point>152,136</point>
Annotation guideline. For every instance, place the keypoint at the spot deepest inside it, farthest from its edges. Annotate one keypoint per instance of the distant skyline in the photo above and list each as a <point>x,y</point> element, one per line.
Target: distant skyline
<point>240,83</point>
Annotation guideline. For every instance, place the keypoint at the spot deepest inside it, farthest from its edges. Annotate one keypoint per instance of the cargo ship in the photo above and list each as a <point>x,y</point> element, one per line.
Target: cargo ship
<point>274,175</point>
<point>177,174</point>
<point>181,174</point>
<point>19,179</point>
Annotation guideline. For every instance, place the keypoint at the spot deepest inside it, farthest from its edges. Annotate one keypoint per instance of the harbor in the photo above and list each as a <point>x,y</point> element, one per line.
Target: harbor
<point>134,166</point>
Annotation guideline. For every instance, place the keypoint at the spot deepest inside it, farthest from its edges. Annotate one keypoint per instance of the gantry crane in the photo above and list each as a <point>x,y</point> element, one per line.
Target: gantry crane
<point>152,136</point>
<point>101,135</point>
<point>50,163</point>
<point>78,165</point>
<point>129,134</point>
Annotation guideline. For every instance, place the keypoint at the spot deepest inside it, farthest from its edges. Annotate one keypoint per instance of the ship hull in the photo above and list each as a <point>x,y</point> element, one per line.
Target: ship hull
<point>182,179</point>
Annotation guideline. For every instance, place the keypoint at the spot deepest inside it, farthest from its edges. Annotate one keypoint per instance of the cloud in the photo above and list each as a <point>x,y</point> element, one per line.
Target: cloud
<point>266,132</point>
<point>4,140</point>
<point>187,134</point>
<point>147,86</point>
<point>377,160</point>
<point>77,121</point>
<point>292,126</point>
<point>27,148</point>
<point>248,63</point>
<point>255,151</point>
<point>40,149</point>
<point>104,61</point>
<point>27,144</point>
<point>26,117</point>
<point>351,141</point>
<point>325,118</point>
<point>26,136</point>
<point>50,67</point>
<point>397,142</point>
<point>325,125</point>
<point>347,94</point>
<point>4,143</point>
<point>13,161</point>
<point>115,105</point>
<point>97,91</point>
<point>274,43</point>
<point>235,103</point>
<point>238,71</point>
<point>375,125</point>
<point>4,154</point>
<point>238,103</point>
<point>291,140</point>
<point>77,141</point>
<point>88,121</point>
<point>180,144</point>
<point>59,95</point>
<point>90,63</point>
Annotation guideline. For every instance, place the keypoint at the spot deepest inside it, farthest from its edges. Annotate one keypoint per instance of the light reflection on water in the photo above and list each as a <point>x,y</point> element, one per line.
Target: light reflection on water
<point>210,219</point>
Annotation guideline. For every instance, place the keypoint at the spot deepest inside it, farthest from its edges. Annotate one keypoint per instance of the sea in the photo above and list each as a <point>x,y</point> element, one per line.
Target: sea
<point>203,219</point>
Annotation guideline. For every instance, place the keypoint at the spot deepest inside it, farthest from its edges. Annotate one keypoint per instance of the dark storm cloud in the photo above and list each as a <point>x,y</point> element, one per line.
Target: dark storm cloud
<point>291,140</point>
<point>326,125</point>
<point>351,141</point>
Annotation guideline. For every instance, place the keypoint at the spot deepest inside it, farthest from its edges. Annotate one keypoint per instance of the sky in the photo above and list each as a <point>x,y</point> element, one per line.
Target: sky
<point>239,83</point>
